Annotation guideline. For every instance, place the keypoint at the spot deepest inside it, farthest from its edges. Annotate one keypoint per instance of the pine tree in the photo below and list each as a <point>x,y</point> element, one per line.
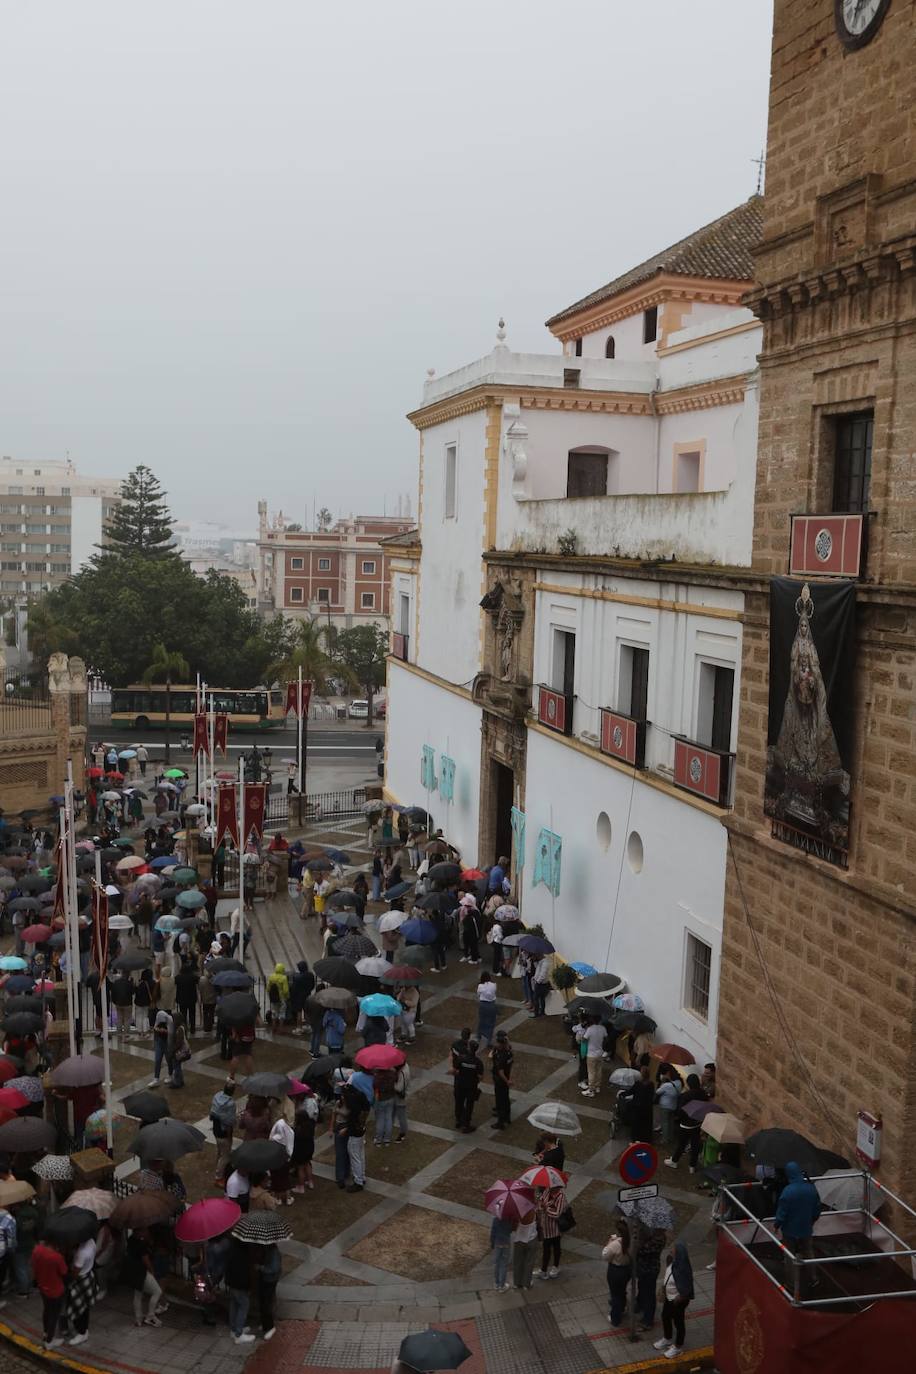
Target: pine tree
<point>141,523</point>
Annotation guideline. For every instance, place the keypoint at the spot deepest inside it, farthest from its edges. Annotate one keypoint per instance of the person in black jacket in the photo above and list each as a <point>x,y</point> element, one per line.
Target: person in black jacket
<point>689,1130</point>
<point>640,1101</point>
<point>468,1073</point>
<point>186,980</point>
<point>301,987</point>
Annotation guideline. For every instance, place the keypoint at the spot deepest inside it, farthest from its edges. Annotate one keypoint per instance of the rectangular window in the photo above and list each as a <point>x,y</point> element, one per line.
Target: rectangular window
<point>403,613</point>
<point>39,491</point>
<point>852,462</point>
<point>324,594</point>
<point>714,716</point>
<point>295,594</point>
<point>697,975</point>
<point>367,601</point>
<point>296,564</point>
<point>324,565</point>
<point>368,567</point>
<point>586,474</point>
<point>451,480</point>
<point>650,325</point>
<point>633,698</point>
<point>65,491</point>
<point>686,472</point>
<point>578,348</point>
<point>563,668</point>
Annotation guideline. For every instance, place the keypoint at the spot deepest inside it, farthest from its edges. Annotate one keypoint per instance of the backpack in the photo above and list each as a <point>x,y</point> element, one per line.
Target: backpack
<point>273,994</point>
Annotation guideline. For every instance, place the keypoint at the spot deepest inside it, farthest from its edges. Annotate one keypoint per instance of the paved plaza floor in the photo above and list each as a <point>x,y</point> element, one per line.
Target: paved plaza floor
<point>412,1249</point>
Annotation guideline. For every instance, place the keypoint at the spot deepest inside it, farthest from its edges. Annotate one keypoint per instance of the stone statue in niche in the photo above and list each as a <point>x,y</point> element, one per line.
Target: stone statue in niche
<point>505,628</point>
<point>58,673</point>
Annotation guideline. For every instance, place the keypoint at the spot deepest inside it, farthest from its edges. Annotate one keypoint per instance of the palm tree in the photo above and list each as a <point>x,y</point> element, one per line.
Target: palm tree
<point>308,652</point>
<point>166,666</point>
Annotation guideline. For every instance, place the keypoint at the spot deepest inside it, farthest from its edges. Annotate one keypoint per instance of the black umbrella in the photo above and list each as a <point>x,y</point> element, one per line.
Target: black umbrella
<point>353,946</point>
<point>725,1173</point>
<point>237,1009</point>
<point>319,865</point>
<point>444,873</point>
<point>71,1226</point>
<point>27,1133</point>
<point>112,855</point>
<point>221,965</point>
<point>778,1147</point>
<point>443,902</point>
<point>146,1107</point>
<point>261,1228</point>
<point>34,882</point>
<point>598,982</point>
<point>345,920</point>
<point>259,1156</point>
<point>23,1023</point>
<point>85,863</point>
<point>233,979</point>
<point>32,1005</point>
<point>636,1021</point>
<point>320,1068</point>
<point>593,1005</point>
<point>166,1139</point>
<point>433,1350</point>
<point>168,893</point>
<point>131,962</point>
<point>337,999</point>
<point>79,1071</point>
<point>24,904</point>
<point>58,940</point>
<point>416,954</point>
<point>340,973</point>
<point>344,900</point>
<point>391,894</point>
<point>266,1085</point>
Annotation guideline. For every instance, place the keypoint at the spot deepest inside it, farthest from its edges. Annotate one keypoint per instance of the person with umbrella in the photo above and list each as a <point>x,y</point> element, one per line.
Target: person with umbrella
<point>187,993</point>
<point>238,1275</point>
<point>667,1094</point>
<point>638,1102</point>
<point>49,1269</point>
<point>348,1128</point>
<point>689,1129</point>
<point>619,1271</point>
<point>122,999</point>
<point>223,1119</point>
<point>163,1041</point>
<point>81,1290</point>
<point>307,1115</point>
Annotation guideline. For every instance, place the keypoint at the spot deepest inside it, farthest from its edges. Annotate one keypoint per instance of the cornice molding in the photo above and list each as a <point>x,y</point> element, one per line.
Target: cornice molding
<point>873,267</point>
<point>724,391</point>
<point>655,291</point>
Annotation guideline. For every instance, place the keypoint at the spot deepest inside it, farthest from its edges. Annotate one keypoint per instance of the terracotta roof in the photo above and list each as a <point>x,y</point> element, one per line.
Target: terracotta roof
<point>410,538</point>
<point>719,250</point>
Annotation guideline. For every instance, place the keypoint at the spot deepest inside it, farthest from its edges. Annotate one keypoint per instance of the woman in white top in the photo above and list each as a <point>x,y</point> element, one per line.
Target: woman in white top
<point>280,1179</point>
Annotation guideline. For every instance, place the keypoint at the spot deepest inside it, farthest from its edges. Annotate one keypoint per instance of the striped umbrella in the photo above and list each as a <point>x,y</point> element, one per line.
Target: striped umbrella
<point>543,1176</point>
<point>510,1200</point>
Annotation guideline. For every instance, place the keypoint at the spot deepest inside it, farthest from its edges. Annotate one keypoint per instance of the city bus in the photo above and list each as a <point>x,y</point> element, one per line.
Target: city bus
<point>139,707</point>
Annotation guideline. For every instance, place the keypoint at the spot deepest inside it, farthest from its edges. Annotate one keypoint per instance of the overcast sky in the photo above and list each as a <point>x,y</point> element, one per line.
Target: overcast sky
<point>236,233</point>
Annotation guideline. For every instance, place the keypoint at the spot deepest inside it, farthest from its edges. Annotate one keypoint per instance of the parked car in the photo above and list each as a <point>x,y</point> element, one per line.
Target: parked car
<point>380,708</point>
<point>359,710</point>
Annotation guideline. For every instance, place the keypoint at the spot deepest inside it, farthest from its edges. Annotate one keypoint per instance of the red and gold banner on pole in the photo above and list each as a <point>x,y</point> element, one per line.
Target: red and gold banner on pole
<point>227,813</point>
<point>201,739</point>
<point>255,804</point>
<point>100,929</point>
<point>221,732</point>
<point>59,908</point>
<point>292,695</point>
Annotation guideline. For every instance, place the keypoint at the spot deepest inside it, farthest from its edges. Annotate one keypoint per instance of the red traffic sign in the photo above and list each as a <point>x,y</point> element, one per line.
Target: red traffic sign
<point>638,1163</point>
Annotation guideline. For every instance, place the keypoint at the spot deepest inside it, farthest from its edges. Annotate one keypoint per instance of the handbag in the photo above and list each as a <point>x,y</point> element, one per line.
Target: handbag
<point>566,1221</point>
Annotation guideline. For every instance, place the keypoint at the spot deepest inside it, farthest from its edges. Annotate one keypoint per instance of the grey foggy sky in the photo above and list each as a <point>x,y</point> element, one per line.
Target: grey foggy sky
<point>236,233</point>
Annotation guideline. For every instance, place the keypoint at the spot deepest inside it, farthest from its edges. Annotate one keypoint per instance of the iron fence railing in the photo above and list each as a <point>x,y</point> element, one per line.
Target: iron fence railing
<point>24,704</point>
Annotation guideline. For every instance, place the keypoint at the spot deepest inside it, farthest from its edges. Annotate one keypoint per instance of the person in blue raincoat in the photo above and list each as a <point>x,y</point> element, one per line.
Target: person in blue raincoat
<point>798,1209</point>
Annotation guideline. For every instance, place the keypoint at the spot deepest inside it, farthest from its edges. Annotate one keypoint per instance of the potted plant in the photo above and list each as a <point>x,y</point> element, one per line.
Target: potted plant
<point>564,978</point>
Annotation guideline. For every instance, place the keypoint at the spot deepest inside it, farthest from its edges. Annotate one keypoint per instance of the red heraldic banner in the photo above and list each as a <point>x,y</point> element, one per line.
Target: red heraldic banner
<point>292,693</point>
<point>100,929</point>
<point>59,909</point>
<point>255,803</point>
<point>221,732</point>
<point>227,814</point>
<point>201,740</point>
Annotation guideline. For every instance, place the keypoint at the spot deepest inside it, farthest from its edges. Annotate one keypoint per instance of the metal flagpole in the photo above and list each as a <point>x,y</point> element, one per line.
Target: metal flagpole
<point>63,862</point>
<point>74,962</point>
<point>211,732</point>
<point>242,839</point>
<point>200,795</point>
<point>106,1047</point>
<point>299,737</point>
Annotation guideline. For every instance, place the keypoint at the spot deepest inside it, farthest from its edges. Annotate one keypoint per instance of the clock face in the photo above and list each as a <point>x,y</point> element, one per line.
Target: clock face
<point>857,21</point>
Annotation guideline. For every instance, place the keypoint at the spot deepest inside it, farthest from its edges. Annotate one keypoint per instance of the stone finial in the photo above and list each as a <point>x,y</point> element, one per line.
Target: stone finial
<point>501,333</point>
<point>430,372</point>
<point>77,675</point>
<point>58,673</point>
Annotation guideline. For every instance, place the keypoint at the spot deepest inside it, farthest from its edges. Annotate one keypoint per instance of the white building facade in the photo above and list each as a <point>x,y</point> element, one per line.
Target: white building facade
<point>598,501</point>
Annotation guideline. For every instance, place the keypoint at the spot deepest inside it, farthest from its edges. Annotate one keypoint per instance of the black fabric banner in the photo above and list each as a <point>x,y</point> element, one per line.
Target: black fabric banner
<point>809,738</point>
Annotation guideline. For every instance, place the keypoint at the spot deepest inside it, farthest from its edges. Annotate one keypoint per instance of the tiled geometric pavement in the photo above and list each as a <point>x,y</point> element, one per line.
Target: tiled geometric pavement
<point>558,1327</point>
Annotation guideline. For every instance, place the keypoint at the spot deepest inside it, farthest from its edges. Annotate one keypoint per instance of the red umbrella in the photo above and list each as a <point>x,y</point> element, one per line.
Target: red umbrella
<point>43,985</point>
<point>94,773</point>
<point>115,775</point>
<point>380,1057</point>
<point>543,1176</point>
<point>11,1099</point>
<point>673,1054</point>
<point>510,1200</point>
<point>297,1088</point>
<point>8,1069</point>
<point>37,934</point>
<point>214,1216</point>
<point>470,875</point>
<point>402,973</point>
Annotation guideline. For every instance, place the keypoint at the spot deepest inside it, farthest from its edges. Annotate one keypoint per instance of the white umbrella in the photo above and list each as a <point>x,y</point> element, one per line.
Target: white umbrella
<point>392,920</point>
<point>842,1192</point>
<point>372,967</point>
<point>111,796</point>
<point>555,1117</point>
<point>111,890</point>
<point>120,923</point>
<point>196,809</point>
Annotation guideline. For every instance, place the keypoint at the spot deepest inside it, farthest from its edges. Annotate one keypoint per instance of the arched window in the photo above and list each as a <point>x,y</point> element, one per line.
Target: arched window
<point>609,347</point>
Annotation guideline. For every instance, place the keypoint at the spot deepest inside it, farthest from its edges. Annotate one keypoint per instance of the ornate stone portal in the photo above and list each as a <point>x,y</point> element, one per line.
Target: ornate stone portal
<point>503,690</point>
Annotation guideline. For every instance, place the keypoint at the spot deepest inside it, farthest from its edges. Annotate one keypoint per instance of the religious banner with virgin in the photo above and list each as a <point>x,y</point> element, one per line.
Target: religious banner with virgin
<point>254,805</point>
<point>227,814</point>
<point>809,739</point>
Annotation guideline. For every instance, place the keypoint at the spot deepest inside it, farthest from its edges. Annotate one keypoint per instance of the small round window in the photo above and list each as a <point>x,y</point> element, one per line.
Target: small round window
<point>635,852</point>
<point>603,831</point>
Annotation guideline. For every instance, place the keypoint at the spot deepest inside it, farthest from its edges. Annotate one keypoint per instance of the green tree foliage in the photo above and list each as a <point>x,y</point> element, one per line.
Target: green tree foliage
<point>305,648</point>
<point>141,523</point>
<point>362,652</point>
<point>166,666</point>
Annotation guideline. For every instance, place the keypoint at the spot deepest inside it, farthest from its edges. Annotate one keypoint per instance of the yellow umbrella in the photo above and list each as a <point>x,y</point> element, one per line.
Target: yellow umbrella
<point>14,1190</point>
<point>724,1127</point>
<point>130,861</point>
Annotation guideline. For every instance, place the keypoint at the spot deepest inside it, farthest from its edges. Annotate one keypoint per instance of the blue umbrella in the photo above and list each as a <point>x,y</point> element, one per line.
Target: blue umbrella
<point>20,982</point>
<point>585,970</point>
<point>416,931</point>
<point>364,1084</point>
<point>338,856</point>
<point>533,944</point>
<point>164,861</point>
<point>168,924</point>
<point>377,1004</point>
<point>391,894</point>
<point>56,801</point>
<point>11,962</point>
<point>233,978</point>
<point>128,754</point>
<point>192,900</point>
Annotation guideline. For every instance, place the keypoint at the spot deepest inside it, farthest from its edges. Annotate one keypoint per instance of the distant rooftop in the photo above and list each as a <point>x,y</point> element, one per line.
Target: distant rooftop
<point>720,251</point>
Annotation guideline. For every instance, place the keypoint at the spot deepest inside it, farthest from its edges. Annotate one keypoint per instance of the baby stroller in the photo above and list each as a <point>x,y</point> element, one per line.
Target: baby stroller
<point>622,1079</point>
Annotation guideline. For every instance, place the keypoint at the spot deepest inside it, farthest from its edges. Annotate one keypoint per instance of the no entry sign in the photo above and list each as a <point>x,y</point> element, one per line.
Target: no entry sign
<point>638,1163</point>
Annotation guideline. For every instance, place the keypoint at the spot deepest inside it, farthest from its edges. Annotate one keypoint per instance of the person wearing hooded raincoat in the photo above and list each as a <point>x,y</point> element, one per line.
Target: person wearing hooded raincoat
<point>278,992</point>
<point>798,1209</point>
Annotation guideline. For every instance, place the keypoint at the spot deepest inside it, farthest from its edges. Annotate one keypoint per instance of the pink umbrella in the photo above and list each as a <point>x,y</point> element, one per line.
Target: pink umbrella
<point>43,985</point>
<point>204,1220</point>
<point>297,1088</point>
<point>543,1176</point>
<point>380,1057</point>
<point>510,1200</point>
<point>37,934</point>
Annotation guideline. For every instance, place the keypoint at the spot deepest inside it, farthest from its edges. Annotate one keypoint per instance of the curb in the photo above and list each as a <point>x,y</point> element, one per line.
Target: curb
<point>703,1358</point>
<point>38,1353</point>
